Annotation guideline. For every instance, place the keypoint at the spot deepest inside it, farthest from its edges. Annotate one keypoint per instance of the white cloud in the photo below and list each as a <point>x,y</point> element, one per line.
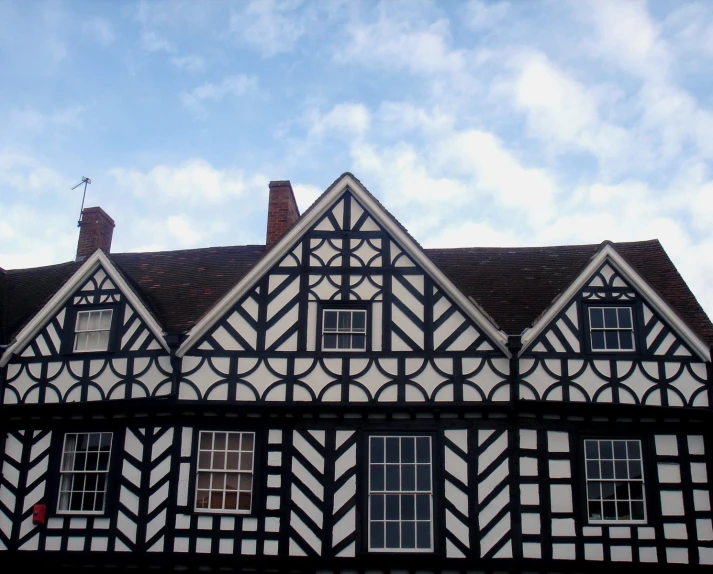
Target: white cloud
<point>481,15</point>
<point>100,29</point>
<point>22,174</point>
<point>270,26</point>
<point>564,111</point>
<point>153,42</point>
<point>194,182</point>
<point>32,120</point>
<point>305,195</point>
<point>391,42</point>
<point>189,63</point>
<point>237,86</point>
<point>346,118</point>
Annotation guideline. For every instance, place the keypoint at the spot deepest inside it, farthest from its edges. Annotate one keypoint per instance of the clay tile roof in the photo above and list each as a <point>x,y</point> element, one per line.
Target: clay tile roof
<point>513,285</point>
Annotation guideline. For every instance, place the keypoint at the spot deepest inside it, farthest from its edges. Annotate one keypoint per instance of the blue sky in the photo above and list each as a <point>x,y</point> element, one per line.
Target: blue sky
<point>475,122</point>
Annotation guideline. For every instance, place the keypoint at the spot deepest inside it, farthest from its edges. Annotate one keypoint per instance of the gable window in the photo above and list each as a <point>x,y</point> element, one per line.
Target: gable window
<point>611,328</point>
<point>225,471</point>
<point>615,481</point>
<point>83,474</point>
<point>91,331</point>
<point>344,329</point>
<point>400,494</point>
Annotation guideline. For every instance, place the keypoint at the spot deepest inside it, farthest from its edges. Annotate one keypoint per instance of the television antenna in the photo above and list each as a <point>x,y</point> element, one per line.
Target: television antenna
<point>85,181</point>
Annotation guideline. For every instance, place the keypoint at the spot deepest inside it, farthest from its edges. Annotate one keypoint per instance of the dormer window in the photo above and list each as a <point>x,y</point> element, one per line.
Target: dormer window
<point>91,331</point>
<point>344,330</point>
<point>611,328</point>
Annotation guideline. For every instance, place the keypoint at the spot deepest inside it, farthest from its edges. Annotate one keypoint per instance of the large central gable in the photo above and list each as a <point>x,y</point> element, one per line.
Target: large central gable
<point>351,241</point>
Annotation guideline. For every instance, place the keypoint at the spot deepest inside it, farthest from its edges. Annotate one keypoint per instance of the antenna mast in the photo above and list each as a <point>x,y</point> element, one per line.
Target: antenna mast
<point>85,181</point>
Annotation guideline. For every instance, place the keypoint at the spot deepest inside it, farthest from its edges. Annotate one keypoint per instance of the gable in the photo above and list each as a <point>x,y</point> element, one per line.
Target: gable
<point>346,257</point>
<point>608,281</point>
<point>346,248</point>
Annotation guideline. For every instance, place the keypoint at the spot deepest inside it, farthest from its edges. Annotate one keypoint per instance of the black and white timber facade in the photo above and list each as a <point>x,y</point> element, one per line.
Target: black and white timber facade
<point>347,405</point>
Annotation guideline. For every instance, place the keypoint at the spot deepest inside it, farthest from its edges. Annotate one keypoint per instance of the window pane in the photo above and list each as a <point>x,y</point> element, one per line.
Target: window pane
<point>592,469</point>
<point>392,477</point>
<point>610,321</point>
<point>358,342</point>
<point>591,449</point>
<point>377,477</point>
<point>423,507</point>
<point>377,507</point>
<point>344,341</point>
<point>93,320</point>
<point>377,449</point>
<point>244,500</point>
<point>423,477</point>
<point>633,449</point>
<point>593,491</point>
<point>607,490</point>
<point>597,340</point>
<point>345,321</point>
<point>330,320</point>
<point>408,453</point>
<point>624,318</point>
<point>105,320</point>
<point>619,449</point>
<point>358,321</point>
<point>408,477</point>
<point>83,470</point>
<point>408,535</point>
<point>330,342</point>
<point>637,510</point>
<point>595,510</point>
<point>377,535</point>
<point>623,511</point>
<point>423,534</point>
<point>620,469</point>
<point>606,449</point>
<point>392,507</point>
<point>392,535</point>
<point>102,341</point>
<point>82,321</point>
<point>637,490</point>
<point>626,340</point>
<point>423,449</point>
<point>634,469</point>
<point>609,510</point>
<point>607,469</point>
<point>408,507</point>
<point>392,450</point>
<point>596,318</point>
<point>611,339</point>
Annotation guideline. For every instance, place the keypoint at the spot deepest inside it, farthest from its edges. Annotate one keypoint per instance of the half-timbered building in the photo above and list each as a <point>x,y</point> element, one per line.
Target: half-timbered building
<point>343,400</point>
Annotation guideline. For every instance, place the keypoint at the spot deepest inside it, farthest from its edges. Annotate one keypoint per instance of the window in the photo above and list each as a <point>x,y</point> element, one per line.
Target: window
<point>400,494</point>
<point>612,328</point>
<point>344,330</point>
<point>83,475</point>
<point>91,331</point>
<point>225,471</point>
<point>615,481</point>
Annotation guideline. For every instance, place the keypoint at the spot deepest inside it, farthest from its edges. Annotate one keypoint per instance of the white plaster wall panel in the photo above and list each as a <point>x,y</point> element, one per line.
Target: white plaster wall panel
<point>10,486</point>
<point>323,287</point>
<point>410,330</point>
<point>365,288</point>
<point>325,252</point>
<point>666,445</point>
<point>307,493</point>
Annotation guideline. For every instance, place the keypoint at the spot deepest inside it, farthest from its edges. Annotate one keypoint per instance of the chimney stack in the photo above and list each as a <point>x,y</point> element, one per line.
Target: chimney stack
<point>282,212</point>
<point>95,231</point>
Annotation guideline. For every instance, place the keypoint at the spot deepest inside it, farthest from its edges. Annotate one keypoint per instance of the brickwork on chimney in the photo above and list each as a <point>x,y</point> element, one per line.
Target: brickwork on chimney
<point>95,231</point>
<point>282,212</point>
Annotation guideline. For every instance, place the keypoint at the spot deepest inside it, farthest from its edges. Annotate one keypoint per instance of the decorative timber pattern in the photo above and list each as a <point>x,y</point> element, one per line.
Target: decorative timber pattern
<point>494,532</point>
<point>661,371</point>
<point>48,371</point>
<point>457,504</point>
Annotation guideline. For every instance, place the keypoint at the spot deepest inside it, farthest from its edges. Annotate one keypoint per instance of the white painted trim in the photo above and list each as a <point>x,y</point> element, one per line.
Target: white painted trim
<point>610,255</point>
<point>60,298</point>
<point>288,241</point>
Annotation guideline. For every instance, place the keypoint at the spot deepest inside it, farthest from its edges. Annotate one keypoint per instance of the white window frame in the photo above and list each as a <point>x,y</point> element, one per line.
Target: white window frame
<point>212,471</point>
<point>384,492</point>
<point>339,331</point>
<point>617,328</point>
<point>629,481</point>
<point>78,332</point>
<point>68,473</point>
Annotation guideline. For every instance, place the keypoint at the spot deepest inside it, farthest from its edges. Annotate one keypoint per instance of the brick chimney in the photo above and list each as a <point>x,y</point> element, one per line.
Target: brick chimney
<point>282,212</point>
<point>95,230</point>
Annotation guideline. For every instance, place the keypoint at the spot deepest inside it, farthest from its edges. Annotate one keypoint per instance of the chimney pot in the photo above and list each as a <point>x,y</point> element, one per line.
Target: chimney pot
<point>95,231</point>
<point>282,212</point>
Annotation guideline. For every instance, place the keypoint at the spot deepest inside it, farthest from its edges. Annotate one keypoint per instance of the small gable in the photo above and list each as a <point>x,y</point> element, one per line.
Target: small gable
<point>610,314</point>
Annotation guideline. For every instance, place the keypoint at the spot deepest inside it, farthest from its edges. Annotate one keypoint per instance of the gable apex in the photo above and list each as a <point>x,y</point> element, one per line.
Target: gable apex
<point>85,272</point>
<point>609,254</point>
<point>346,183</point>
